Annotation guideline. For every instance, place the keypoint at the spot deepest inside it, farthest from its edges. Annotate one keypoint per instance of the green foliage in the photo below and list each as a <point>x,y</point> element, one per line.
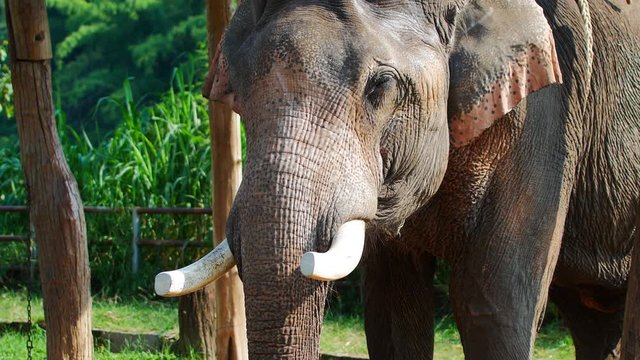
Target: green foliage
<point>98,43</point>
<point>158,157</point>
<point>6,89</point>
<point>12,189</point>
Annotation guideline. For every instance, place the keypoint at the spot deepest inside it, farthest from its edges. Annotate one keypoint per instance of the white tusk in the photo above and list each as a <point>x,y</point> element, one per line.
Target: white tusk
<point>341,259</point>
<point>195,276</point>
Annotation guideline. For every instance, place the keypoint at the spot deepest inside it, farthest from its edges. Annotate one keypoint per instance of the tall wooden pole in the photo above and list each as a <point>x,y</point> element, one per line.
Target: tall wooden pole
<point>212,320</point>
<point>226,155</point>
<point>55,207</point>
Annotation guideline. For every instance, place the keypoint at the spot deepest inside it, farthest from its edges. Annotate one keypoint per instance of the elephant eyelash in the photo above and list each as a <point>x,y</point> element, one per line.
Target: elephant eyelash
<point>379,89</point>
<point>385,87</point>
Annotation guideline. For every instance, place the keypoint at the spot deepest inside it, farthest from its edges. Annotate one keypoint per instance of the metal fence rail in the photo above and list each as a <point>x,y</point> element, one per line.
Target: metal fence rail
<point>136,214</point>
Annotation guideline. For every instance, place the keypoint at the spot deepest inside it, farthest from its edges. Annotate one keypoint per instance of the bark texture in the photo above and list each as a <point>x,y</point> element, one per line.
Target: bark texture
<point>226,154</point>
<point>196,319</point>
<point>55,207</point>
<point>212,319</point>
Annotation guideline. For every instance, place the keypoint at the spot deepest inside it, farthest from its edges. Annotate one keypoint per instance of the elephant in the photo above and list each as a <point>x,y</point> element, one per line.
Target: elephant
<point>502,136</point>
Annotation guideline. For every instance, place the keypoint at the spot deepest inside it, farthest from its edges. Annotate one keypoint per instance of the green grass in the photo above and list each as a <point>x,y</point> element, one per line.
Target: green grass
<point>340,334</point>
<point>112,314</point>
<point>132,315</point>
<point>345,335</point>
<point>136,316</point>
<point>554,342</point>
<point>12,346</point>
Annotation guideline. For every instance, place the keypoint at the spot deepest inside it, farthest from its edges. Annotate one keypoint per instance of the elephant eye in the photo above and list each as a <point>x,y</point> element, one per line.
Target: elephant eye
<point>379,88</point>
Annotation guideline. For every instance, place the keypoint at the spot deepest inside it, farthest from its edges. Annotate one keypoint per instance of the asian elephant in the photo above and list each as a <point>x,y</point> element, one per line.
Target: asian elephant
<point>500,135</point>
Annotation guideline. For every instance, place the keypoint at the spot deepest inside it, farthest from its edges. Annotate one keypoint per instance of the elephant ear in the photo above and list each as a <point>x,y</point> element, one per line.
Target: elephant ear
<point>502,51</point>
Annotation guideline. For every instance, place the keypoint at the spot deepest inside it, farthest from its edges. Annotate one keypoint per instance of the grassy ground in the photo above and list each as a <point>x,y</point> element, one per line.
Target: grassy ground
<point>341,335</point>
<point>345,335</point>
<point>111,314</point>
<point>12,346</point>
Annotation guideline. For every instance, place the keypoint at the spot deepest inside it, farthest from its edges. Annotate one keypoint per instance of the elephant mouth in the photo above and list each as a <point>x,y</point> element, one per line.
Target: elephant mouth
<point>339,261</point>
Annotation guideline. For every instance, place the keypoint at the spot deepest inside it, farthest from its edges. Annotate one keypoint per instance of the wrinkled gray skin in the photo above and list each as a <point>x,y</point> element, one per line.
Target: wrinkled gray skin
<point>346,106</point>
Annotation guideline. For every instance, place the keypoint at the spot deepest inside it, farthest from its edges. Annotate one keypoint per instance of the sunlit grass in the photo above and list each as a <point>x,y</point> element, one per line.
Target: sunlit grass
<point>14,307</point>
<point>136,316</point>
<point>132,315</point>
<point>345,335</point>
<point>341,334</point>
<point>13,346</point>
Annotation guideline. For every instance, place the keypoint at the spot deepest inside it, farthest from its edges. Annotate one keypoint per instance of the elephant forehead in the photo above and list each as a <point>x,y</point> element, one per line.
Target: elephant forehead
<point>330,42</point>
<point>294,45</point>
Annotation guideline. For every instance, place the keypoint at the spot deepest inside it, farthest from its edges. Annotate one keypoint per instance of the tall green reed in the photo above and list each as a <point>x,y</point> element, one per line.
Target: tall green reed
<point>158,157</point>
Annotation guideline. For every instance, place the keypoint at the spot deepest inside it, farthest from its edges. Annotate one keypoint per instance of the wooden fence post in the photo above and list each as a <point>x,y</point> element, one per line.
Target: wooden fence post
<point>231,332</point>
<point>225,298</point>
<point>55,207</point>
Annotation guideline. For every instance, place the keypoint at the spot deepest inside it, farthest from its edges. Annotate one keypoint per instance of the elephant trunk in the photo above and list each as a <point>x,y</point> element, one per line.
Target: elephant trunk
<point>286,207</point>
<point>284,309</point>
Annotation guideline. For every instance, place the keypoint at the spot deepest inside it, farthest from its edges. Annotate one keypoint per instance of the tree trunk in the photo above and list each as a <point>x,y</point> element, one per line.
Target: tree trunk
<point>225,297</point>
<point>196,319</point>
<point>55,207</point>
<point>631,330</point>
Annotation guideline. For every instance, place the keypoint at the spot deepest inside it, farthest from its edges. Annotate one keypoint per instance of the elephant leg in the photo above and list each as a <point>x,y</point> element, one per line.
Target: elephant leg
<point>500,282</point>
<point>594,319</point>
<point>631,329</point>
<point>399,307</point>
<point>498,310</point>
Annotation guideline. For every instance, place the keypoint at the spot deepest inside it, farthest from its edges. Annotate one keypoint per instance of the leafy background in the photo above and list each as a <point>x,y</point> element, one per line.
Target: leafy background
<point>98,44</point>
<point>134,128</point>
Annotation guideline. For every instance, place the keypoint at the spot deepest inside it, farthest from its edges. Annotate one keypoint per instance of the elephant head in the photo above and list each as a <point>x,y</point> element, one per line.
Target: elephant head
<point>350,108</point>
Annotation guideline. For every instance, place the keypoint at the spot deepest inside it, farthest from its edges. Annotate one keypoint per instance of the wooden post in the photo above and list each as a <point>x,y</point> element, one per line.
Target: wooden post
<point>231,329</point>
<point>631,329</point>
<point>55,207</point>
<point>224,299</point>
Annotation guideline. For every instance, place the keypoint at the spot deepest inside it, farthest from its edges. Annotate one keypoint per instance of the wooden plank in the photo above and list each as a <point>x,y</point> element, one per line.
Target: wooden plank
<point>172,243</point>
<point>175,211</point>
<point>28,19</point>
<point>13,238</point>
<point>17,208</point>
